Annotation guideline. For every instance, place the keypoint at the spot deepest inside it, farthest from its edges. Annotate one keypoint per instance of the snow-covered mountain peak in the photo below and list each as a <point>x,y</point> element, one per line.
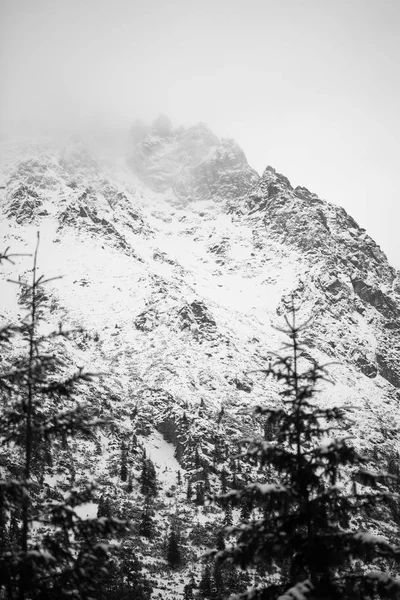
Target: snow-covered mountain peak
<point>193,163</point>
<point>180,261</point>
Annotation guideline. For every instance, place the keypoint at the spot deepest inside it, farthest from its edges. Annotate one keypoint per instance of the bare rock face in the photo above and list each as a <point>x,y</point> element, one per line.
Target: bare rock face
<point>376,298</point>
<point>225,173</point>
<point>320,229</point>
<point>25,205</point>
<point>191,162</point>
<point>358,284</point>
<point>28,187</point>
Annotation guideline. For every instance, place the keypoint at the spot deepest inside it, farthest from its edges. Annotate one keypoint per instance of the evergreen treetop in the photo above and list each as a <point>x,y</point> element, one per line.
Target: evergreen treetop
<point>305,507</point>
<point>173,551</point>
<point>61,563</point>
<point>148,477</point>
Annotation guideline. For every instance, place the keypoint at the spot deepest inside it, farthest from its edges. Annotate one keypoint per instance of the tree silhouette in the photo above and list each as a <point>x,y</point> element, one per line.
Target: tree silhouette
<point>173,552</point>
<point>59,564</point>
<point>146,523</point>
<point>148,477</point>
<point>205,585</point>
<point>305,508</point>
<point>124,463</point>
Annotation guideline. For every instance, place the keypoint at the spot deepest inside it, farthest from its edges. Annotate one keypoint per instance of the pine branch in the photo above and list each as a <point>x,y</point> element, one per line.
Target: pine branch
<point>8,256</point>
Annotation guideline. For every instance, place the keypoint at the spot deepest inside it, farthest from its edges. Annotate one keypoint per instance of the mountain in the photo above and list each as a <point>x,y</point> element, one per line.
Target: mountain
<point>193,163</point>
<point>180,263</point>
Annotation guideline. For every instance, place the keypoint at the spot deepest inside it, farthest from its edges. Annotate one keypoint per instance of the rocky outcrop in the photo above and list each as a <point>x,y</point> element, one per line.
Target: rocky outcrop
<point>147,320</point>
<point>36,174</point>
<point>25,205</point>
<point>376,298</point>
<point>83,213</point>
<point>316,227</point>
<point>388,367</point>
<point>388,352</point>
<point>191,162</point>
<point>358,284</point>
<point>197,318</point>
<point>224,173</point>
<point>28,187</point>
<point>173,434</point>
<point>365,364</point>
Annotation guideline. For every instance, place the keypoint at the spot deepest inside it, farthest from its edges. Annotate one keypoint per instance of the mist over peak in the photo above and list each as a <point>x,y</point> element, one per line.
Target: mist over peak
<point>191,161</point>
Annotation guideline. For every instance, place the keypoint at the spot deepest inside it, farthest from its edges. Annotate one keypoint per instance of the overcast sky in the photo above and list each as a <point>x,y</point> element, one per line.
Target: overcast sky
<point>310,87</point>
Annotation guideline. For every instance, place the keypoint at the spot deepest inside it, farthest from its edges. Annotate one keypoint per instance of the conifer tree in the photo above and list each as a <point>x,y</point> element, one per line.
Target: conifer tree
<point>245,511</point>
<point>189,491</point>
<point>59,564</point>
<point>173,552</point>
<point>199,493</point>
<point>223,481</point>
<point>205,585</point>
<point>122,579</point>
<point>197,462</point>
<point>124,463</point>
<point>220,540</point>
<point>306,507</point>
<point>146,524</point>
<point>104,508</point>
<point>135,584</point>
<point>228,518</point>
<point>148,477</point>
<point>206,482</point>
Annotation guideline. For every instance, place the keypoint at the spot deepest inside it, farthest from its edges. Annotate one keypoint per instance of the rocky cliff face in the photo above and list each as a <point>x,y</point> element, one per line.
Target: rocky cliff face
<point>191,162</point>
<point>349,276</point>
<point>179,263</point>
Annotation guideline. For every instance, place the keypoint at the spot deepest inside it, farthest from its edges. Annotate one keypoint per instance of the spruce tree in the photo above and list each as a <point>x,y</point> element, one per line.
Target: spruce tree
<point>199,493</point>
<point>306,507</point>
<point>124,463</point>
<point>59,564</point>
<point>220,540</point>
<point>148,477</point>
<point>223,481</point>
<point>228,518</point>
<point>104,508</point>
<point>205,585</point>
<point>122,579</point>
<point>173,552</point>
<point>189,491</point>
<point>245,511</point>
<point>135,584</point>
<point>146,523</point>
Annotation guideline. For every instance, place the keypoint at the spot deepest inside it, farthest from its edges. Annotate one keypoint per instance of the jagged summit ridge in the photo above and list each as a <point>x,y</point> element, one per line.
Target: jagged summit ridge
<point>347,266</point>
<point>301,218</point>
<point>192,162</point>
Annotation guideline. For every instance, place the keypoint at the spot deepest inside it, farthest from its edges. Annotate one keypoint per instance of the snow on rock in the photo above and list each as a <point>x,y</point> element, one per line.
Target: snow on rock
<point>180,263</point>
<point>162,453</point>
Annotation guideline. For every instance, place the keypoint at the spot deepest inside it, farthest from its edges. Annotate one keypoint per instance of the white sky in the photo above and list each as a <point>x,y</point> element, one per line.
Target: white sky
<point>310,87</point>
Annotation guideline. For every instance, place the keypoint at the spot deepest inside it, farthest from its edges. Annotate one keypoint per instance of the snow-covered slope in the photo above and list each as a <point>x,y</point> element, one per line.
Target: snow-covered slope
<point>180,262</point>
